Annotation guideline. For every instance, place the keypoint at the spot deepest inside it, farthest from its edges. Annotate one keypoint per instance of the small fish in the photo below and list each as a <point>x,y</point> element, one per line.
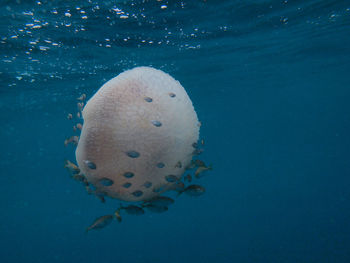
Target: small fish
<point>82,97</point>
<point>197,151</point>
<point>178,187</point>
<point>200,170</point>
<point>69,116</point>
<point>80,106</point>
<point>89,190</point>
<point>90,164</point>
<point>188,178</point>
<point>190,166</point>
<point>159,201</point>
<point>100,222</point>
<point>156,209</point>
<point>79,177</point>
<point>72,139</point>
<point>118,216</point>
<point>178,165</point>
<point>198,163</point>
<point>202,142</point>
<point>171,178</point>
<point>193,190</point>
<point>133,210</point>
<point>106,181</point>
<point>79,126</point>
<point>74,128</point>
<point>71,167</point>
<point>78,114</point>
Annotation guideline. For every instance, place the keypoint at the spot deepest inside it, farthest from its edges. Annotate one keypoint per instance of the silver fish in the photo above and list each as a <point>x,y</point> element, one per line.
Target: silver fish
<point>194,190</point>
<point>71,167</point>
<point>159,201</point>
<point>82,97</point>
<point>200,170</point>
<point>156,209</point>
<point>100,222</point>
<point>72,139</point>
<point>133,210</point>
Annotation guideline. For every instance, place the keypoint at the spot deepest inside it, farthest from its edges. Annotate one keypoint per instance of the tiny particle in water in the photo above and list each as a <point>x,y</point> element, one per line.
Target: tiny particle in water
<point>148,99</point>
<point>156,123</point>
<point>133,154</point>
<point>128,174</point>
<point>127,185</point>
<point>137,193</point>
<point>160,165</point>
<point>90,164</point>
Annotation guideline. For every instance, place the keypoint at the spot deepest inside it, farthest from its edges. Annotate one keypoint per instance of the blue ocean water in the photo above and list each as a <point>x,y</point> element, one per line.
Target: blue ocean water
<point>270,83</point>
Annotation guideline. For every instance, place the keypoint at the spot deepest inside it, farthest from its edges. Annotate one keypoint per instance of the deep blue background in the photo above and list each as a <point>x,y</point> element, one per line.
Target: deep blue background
<point>270,83</point>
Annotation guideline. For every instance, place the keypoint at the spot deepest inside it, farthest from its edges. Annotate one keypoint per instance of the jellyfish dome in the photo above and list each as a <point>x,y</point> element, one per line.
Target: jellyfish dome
<point>138,135</point>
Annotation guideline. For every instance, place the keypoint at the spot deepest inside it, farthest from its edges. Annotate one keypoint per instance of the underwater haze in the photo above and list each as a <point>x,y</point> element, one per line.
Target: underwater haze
<point>270,83</point>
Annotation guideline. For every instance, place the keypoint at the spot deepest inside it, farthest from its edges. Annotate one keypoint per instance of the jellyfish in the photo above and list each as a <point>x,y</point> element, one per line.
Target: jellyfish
<point>137,128</point>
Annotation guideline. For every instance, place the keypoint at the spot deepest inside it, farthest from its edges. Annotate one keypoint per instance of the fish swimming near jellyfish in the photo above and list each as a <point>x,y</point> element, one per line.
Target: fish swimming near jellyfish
<point>100,222</point>
<point>193,190</point>
<point>200,170</point>
<point>132,210</point>
<point>160,201</point>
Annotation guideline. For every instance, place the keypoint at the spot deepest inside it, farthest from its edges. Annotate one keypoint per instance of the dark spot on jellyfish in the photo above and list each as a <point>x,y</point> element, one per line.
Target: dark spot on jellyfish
<point>133,154</point>
<point>172,95</point>
<point>128,174</point>
<point>148,99</point>
<point>171,178</point>
<point>195,145</point>
<point>106,181</point>
<point>126,185</point>
<point>137,193</point>
<point>90,164</point>
<point>147,184</point>
<point>160,165</point>
<point>156,123</point>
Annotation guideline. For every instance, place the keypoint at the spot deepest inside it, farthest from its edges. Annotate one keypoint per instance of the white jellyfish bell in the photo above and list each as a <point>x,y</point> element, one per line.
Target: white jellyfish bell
<point>138,136</point>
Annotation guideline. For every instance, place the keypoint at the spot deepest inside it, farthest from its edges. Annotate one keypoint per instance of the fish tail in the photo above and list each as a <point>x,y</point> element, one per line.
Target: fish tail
<point>179,192</point>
